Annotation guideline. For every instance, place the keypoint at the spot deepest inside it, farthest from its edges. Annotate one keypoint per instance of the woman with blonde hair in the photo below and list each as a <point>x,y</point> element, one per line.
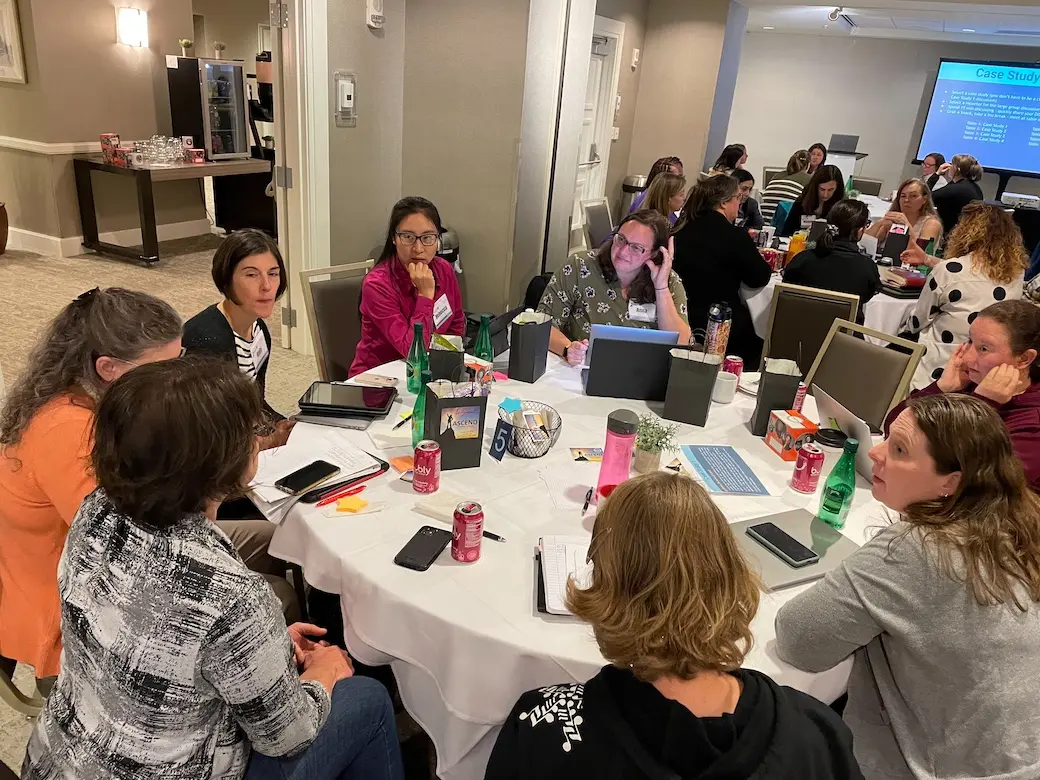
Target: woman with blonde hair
<point>963,172</point>
<point>913,209</point>
<point>939,611</point>
<point>666,195</point>
<point>670,601</point>
<point>986,263</point>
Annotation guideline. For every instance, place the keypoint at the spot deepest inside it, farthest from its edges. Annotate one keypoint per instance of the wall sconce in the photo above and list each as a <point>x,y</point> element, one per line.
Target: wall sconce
<point>132,27</point>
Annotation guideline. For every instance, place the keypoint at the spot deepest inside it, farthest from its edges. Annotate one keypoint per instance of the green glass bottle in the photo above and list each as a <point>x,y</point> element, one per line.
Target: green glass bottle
<point>483,349</point>
<point>419,410</point>
<point>418,358</point>
<point>839,487</point>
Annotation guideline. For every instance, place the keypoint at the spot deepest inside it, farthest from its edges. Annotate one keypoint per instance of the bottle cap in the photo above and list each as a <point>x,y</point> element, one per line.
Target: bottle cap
<point>623,422</point>
<point>830,437</point>
<point>851,445</point>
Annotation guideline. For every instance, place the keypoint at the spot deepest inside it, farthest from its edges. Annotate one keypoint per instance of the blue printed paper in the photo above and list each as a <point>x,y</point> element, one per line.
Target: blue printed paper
<point>721,470</point>
<point>510,405</point>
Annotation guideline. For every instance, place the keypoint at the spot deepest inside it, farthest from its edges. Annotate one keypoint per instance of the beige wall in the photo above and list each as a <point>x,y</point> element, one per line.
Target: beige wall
<point>235,23</point>
<point>25,185</point>
<point>634,14</point>
<point>463,95</point>
<point>680,65</point>
<point>365,161</point>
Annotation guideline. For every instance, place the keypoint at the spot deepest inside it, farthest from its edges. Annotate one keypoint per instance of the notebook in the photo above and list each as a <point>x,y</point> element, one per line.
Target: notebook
<point>562,557</point>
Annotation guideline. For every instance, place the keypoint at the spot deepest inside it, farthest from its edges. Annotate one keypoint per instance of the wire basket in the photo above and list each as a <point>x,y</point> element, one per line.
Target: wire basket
<point>533,442</point>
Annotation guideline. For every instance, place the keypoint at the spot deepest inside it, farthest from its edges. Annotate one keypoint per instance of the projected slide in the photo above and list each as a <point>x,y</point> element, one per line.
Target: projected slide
<point>990,111</point>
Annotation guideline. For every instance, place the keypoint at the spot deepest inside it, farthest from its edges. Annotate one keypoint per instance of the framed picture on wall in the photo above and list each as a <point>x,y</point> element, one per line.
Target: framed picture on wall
<point>12,61</point>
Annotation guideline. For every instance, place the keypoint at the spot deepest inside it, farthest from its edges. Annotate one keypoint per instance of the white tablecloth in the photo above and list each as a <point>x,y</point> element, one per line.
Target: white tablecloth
<point>882,312</point>
<point>465,640</point>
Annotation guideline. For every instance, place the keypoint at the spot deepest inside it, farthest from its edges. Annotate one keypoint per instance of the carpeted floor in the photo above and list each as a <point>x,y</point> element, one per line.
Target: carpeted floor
<point>34,288</point>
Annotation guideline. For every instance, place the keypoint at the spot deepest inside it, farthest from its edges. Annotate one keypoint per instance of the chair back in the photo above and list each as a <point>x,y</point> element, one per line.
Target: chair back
<point>867,379</point>
<point>535,290</point>
<point>333,299</point>
<point>867,186</point>
<point>800,319</point>
<point>30,706</point>
<point>768,174</point>
<point>783,208</point>
<point>598,223</point>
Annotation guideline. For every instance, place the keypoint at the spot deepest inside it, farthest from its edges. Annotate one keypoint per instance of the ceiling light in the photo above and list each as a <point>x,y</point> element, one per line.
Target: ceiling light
<point>132,27</point>
<point>833,15</point>
<point>768,28</point>
<point>968,29</point>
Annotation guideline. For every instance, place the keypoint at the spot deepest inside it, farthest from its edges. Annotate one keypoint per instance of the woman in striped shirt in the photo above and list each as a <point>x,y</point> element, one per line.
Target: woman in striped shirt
<point>786,186</point>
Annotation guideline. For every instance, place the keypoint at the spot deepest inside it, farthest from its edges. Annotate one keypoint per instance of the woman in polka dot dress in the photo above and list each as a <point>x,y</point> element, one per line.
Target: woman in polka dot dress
<point>986,264</point>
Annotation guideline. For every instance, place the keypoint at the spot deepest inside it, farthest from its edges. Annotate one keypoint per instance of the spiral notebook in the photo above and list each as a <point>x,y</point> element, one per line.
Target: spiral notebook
<point>559,558</point>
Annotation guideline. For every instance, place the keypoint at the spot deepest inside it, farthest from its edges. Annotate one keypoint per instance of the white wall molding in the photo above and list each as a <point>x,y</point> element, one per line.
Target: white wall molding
<point>40,147</point>
<point>43,244</point>
<point>28,241</point>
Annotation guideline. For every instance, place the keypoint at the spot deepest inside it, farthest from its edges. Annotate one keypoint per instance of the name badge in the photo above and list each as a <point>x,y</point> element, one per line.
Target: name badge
<point>441,311</point>
<point>642,312</point>
<point>259,351</point>
<point>807,220</point>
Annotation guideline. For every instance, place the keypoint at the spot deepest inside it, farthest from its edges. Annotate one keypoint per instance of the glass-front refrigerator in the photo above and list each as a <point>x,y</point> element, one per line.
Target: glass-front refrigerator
<point>224,106</point>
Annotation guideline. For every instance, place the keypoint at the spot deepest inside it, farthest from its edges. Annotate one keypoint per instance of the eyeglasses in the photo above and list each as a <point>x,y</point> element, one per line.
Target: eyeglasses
<point>184,351</point>
<point>427,239</point>
<point>621,242</point>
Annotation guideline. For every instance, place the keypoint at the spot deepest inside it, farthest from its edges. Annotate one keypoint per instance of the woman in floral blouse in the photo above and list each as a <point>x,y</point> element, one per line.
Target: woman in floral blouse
<point>628,281</point>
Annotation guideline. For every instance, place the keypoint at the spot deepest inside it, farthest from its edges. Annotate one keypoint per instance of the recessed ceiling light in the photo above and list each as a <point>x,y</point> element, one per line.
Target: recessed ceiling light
<point>768,28</point>
<point>968,29</point>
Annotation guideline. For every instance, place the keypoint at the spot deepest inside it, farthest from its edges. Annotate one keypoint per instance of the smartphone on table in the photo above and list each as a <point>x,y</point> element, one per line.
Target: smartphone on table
<point>782,545</point>
<point>310,476</point>
<point>423,548</point>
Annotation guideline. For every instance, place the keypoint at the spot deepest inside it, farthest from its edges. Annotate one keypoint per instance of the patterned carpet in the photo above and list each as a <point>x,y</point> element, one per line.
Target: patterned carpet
<point>34,288</point>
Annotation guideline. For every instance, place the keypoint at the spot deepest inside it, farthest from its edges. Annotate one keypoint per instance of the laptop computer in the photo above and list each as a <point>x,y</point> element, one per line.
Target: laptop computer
<point>831,413</point>
<point>622,333</point>
<point>629,369</point>
<point>827,542</point>
<point>843,144</point>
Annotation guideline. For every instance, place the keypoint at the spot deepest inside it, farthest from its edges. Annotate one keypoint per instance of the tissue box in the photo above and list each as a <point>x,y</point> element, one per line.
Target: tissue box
<point>195,156</point>
<point>109,142</point>
<point>187,142</point>
<point>121,157</point>
<point>787,432</point>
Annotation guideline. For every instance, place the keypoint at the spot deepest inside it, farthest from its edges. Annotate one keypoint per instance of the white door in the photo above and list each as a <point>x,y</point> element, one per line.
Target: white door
<point>588,148</point>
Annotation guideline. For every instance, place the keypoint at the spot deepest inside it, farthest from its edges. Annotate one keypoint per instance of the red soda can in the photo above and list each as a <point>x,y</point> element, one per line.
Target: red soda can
<point>807,468</point>
<point>467,531</point>
<point>799,397</point>
<point>733,364</point>
<point>426,467</point>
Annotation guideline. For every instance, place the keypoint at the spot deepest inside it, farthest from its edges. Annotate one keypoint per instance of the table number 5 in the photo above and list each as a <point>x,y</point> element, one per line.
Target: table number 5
<point>500,441</point>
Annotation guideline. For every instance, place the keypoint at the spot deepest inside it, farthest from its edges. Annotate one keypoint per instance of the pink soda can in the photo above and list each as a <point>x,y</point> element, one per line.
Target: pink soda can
<point>467,532</point>
<point>807,468</point>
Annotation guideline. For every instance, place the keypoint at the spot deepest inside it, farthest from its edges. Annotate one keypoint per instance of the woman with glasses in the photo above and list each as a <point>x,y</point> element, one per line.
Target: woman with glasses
<point>714,257</point>
<point>930,171</point>
<point>628,281</point>
<point>914,210</point>
<point>409,284</point>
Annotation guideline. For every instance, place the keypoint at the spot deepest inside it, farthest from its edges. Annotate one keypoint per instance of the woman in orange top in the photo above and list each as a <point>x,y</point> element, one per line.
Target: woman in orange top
<point>45,450</point>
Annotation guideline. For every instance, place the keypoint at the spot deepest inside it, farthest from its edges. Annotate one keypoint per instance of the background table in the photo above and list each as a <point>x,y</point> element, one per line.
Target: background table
<point>465,640</point>
<point>878,207</point>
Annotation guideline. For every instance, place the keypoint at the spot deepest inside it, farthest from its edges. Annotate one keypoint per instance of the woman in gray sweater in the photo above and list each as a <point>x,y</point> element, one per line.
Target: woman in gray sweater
<point>940,610</point>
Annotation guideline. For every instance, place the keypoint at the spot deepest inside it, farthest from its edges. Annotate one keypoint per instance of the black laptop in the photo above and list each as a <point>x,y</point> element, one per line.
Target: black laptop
<point>629,369</point>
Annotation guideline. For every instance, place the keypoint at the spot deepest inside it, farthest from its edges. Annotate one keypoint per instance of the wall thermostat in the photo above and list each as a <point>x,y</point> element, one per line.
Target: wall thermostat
<point>374,14</point>
<point>346,99</point>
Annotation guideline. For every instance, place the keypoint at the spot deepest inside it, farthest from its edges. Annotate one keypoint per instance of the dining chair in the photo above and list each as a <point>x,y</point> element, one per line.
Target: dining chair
<point>768,174</point>
<point>783,208</point>
<point>800,318</point>
<point>599,225</point>
<point>13,697</point>
<point>866,378</point>
<point>867,186</point>
<point>332,297</point>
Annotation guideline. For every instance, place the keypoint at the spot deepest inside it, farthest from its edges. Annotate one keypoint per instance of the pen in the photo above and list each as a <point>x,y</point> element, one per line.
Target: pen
<point>336,495</point>
<point>588,500</point>
<point>494,537</point>
<point>406,418</point>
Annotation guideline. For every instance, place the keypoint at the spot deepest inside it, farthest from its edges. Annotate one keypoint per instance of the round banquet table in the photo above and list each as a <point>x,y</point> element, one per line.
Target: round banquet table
<point>465,640</point>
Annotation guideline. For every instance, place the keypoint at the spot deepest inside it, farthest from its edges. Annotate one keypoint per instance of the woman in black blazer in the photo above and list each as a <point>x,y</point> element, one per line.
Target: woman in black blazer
<point>713,258</point>
<point>822,192</point>
<point>249,272</point>
<point>836,262</point>
<point>964,172</point>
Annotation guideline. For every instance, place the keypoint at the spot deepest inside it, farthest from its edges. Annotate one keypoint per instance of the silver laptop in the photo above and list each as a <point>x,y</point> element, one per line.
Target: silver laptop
<point>831,412</point>
<point>843,144</point>
<point>827,542</point>
<point>623,333</point>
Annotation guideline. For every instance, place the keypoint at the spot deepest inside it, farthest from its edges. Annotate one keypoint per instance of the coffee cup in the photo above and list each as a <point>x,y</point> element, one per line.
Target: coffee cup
<point>725,389</point>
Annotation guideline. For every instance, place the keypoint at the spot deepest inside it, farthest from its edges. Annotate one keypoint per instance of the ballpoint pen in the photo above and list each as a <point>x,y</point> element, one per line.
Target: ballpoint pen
<point>588,500</point>
<point>494,537</point>
<point>336,495</point>
<point>406,418</point>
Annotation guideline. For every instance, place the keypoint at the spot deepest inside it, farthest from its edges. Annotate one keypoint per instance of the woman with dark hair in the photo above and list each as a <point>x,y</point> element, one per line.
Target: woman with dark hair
<point>963,172</point>
<point>930,171</point>
<point>408,285</point>
<point>836,263</point>
<point>661,165</point>
<point>985,262</point>
<point>670,602</point>
<point>749,216</point>
<point>628,281</point>
<point>732,157</point>
<point>817,157</point>
<point>998,363</point>
<point>939,611</point>
<point>714,257</point>
<point>822,192</point>
<point>249,272</point>
<point>176,661</point>
<point>788,185</point>
<point>666,195</point>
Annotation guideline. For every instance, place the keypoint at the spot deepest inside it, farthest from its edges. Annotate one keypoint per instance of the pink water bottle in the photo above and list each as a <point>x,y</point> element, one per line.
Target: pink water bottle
<point>617,451</point>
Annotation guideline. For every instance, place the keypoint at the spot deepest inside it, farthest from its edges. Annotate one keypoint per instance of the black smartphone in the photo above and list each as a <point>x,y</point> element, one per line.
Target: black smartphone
<point>302,480</point>
<point>782,545</point>
<point>423,548</point>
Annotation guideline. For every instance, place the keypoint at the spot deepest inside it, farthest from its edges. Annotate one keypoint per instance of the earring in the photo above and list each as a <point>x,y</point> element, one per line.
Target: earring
<point>945,495</point>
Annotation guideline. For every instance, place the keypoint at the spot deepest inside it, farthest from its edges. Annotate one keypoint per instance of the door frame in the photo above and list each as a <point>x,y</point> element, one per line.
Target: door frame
<point>614,32</point>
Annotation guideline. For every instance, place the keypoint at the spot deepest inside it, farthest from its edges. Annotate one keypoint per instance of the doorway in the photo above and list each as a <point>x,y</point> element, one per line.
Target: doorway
<point>597,123</point>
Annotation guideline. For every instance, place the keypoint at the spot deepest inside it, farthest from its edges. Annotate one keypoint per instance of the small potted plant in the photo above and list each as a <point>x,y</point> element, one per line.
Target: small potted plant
<point>218,49</point>
<point>652,436</point>
<point>185,44</point>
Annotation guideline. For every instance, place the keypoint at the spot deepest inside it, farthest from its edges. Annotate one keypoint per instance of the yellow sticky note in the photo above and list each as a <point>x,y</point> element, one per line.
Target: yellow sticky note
<point>351,504</point>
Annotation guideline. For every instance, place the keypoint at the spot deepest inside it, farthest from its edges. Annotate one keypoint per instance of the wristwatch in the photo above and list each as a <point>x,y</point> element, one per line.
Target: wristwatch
<point>565,351</point>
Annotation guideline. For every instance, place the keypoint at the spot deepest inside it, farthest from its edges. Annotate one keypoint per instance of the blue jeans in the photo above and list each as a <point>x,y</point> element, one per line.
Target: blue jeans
<point>357,742</point>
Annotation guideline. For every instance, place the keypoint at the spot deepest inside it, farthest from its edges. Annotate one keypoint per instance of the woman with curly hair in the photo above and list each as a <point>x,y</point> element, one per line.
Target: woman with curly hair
<point>670,600</point>
<point>986,263</point>
<point>939,611</point>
